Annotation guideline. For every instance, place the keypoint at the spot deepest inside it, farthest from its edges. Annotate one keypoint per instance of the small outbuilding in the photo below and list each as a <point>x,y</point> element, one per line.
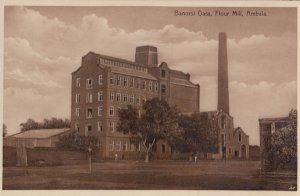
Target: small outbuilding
<point>35,138</point>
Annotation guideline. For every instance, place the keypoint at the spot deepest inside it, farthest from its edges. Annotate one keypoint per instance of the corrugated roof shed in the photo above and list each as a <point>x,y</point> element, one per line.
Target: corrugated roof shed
<point>40,133</point>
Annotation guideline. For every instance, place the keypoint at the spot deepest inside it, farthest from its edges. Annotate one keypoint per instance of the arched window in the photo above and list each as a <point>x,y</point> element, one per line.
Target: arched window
<point>223,122</point>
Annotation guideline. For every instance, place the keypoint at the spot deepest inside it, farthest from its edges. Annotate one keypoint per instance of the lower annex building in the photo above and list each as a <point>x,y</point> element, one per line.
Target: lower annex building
<point>103,85</point>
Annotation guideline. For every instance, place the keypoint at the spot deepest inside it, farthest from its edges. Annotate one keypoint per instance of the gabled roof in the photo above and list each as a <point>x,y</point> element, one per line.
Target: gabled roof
<point>239,129</point>
<point>40,133</point>
<point>182,82</point>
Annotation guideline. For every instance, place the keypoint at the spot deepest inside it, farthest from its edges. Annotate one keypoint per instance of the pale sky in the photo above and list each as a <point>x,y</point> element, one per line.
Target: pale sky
<point>43,45</point>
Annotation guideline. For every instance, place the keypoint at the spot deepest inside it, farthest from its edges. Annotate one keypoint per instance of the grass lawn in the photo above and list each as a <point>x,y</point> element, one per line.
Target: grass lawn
<point>158,175</point>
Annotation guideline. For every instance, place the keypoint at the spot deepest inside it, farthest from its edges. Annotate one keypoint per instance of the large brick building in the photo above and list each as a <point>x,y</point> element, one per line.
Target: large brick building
<point>102,85</point>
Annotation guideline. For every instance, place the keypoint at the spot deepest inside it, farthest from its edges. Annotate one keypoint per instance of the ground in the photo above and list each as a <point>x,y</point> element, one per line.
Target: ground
<point>161,175</point>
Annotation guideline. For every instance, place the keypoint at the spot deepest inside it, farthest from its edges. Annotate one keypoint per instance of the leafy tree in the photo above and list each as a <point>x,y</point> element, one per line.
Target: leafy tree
<point>157,121</point>
<point>284,143</point>
<point>73,141</point>
<point>46,124</point>
<point>198,133</point>
<point>4,131</point>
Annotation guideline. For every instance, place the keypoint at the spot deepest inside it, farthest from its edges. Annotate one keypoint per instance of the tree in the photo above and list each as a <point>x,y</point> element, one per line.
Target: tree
<point>284,143</point>
<point>4,133</point>
<point>157,121</point>
<point>198,133</point>
<point>46,124</point>
<point>75,142</point>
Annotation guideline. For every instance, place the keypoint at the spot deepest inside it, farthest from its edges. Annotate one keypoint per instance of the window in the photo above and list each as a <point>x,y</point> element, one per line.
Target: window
<point>89,83</point>
<point>88,130</point>
<point>111,145</point>
<point>229,150</point>
<point>111,110</point>
<point>131,82</point>
<point>89,97</point>
<point>124,148</point>
<point>125,98</point>
<point>100,128</point>
<point>118,98</point>
<point>223,122</point>
<point>89,113</point>
<point>150,86</point>
<point>163,148</point>
<point>112,78</point>
<point>118,146</point>
<point>112,96</point>
<point>144,100</point>
<point>111,126</point>
<point>77,112</point>
<point>156,86</point>
<point>144,85</point>
<point>163,88</point>
<point>138,84</point>
<point>131,100</point>
<point>137,101</point>
<point>229,137</point>
<point>125,82</point>
<point>119,80</point>
<point>119,109</point>
<point>77,82</point>
<point>100,96</point>
<point>100,79</point>
<point>240,137</point>
<point>77,127</point>
<point>77,98</point>
<point>163,73</point>
<point>100,109</point>
<point>132,147</point>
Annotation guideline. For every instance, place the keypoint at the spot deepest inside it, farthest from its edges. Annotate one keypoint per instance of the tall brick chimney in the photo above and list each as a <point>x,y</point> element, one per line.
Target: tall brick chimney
<point>146,55</point>
<point>223,93</point>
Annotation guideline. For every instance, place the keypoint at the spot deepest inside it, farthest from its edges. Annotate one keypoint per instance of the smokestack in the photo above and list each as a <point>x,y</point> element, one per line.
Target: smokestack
<point>223,93</point>
<point>146,55</point>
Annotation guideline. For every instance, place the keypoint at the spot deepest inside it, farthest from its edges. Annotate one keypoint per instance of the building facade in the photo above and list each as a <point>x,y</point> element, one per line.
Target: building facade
<point>267,126</point>
<point>233,143</point>
<point>103,85</point>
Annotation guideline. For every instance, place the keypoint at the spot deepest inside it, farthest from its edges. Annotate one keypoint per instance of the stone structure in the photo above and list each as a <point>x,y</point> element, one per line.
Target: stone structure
<point>267,127</point>
<point>232,143</point>
<point>103,85</point>
<point>223,93</point>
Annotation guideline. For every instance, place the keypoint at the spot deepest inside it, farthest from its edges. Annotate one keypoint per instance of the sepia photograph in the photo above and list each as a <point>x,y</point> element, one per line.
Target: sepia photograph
<point>140,97</point>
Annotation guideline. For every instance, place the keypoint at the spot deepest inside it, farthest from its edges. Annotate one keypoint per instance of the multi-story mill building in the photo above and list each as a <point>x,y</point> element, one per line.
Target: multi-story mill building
<point>103,85</point>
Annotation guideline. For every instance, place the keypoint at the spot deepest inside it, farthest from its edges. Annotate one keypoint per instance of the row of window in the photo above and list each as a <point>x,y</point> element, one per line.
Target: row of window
<point>228,136</point>
<point>121,64</point>
<point>89,127</point>
<point>89,111</point>
<point>122,81</point>
<point>89,82</point>
<point>117,145</point>
<point>134,99</point>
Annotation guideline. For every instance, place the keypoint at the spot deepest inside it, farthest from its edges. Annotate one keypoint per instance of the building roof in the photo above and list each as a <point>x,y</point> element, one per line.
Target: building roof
<point>40,133</point>
<point>270,120</point>
<point>182,82</point>
<point>239,129</point>
<point>131,72</point>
